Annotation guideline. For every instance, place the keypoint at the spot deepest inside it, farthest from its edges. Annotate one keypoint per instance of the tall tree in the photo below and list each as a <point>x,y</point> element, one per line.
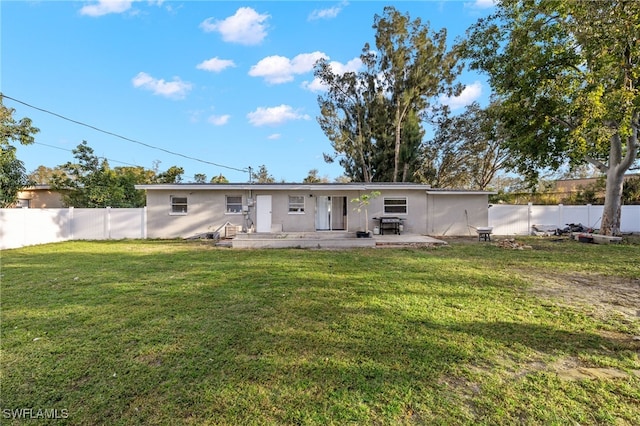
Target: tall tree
<point>172,175</point>
<point>467,150</point>
<point>13,176</point>
<point>263,176</point>
<point>219,179</point>
<point>444,162</point>
<point>567,74</point>
<point>313,177</point>
<point>365,114</point>
<point>90,182</point>
<point>486,143</point>
<point>43,174</point>
<point>347,112</point>
<point>416,66</point>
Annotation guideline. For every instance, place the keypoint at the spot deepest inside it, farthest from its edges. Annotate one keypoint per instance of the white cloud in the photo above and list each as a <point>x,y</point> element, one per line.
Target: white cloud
<point>329,13</point>
<point>274,136</point>
<point>245,27</point>
<point>279,69</point>
<point>215,64</point>
<point>470,93</point>
<point>481,4</point>
<point>219,120</point>
<point>176,89</point>
<point>104,7</point>
<point>316,85</point>
<point>275,115</point>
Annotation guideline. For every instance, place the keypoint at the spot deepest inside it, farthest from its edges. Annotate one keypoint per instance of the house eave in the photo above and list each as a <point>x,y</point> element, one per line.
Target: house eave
<point>452,192</point>
<point>281,186</point>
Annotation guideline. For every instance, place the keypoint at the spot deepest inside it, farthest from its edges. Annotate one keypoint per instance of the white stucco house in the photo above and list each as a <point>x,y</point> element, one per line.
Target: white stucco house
<point>183,210</point>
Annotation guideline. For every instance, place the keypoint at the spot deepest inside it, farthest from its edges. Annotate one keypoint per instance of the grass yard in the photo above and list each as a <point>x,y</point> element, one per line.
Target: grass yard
<point>175,332</point>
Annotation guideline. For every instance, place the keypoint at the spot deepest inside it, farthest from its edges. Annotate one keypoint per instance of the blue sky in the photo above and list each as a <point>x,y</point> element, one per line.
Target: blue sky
<point>228,84</point>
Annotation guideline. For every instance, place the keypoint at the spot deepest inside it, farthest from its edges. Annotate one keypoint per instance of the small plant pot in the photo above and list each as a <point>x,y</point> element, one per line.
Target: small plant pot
<point>363,234</point>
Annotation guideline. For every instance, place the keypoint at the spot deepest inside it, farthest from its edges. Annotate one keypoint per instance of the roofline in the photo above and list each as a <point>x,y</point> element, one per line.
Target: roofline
<point>461,192</point>
<point>282,186</point>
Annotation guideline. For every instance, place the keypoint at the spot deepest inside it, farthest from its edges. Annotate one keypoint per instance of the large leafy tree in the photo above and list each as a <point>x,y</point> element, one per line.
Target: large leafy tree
<point>467,150</point>
<point>567,75</point>
<point>43,174</point>
<point>365,114</point>
<point>444,160</point>
<point>262,175</point>
<point>89,181</point>
<point>172,175</point>
<point>314,177</point>
<point>416,68</point>
<point>13,176</point>
<point>349,111</point>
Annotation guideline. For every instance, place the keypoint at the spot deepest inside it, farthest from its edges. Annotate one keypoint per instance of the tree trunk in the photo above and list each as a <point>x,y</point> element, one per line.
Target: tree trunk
<point>613,202</point>
<point>396,156</point>
<point>618,166</point>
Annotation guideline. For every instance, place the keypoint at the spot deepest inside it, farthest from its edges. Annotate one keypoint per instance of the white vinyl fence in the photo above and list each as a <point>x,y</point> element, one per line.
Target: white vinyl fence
<point>517,220</point>
<point>24,227</point>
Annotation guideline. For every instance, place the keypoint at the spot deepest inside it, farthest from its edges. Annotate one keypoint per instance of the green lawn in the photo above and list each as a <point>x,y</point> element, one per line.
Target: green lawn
<point>174,332</point>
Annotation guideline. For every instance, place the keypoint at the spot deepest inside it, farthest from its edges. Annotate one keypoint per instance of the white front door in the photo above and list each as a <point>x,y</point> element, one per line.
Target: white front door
<point>323,213</point>
<point>263,213</point>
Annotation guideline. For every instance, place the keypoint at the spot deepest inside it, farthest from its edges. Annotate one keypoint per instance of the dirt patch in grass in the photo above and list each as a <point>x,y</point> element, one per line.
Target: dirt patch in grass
<point>605,296</point>
<point>600,296</point>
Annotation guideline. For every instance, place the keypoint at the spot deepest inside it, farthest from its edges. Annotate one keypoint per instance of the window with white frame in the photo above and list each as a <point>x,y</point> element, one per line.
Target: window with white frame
<point>234,204</point>
<point>395,205</point>
<point>178,205</point>
<point>296,203</point>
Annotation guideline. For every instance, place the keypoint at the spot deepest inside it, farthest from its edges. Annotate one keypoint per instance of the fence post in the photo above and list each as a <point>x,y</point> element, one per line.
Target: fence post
<point>143,223</point>
<point>529,208</point>
<point>560,215</point>
<point>588,215</point>
<point>25,240</point>
<point>70,219</point>
<point>108,222</point>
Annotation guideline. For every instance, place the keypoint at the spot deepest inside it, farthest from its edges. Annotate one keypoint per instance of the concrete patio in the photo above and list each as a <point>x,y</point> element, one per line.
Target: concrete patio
<point>328,240</point>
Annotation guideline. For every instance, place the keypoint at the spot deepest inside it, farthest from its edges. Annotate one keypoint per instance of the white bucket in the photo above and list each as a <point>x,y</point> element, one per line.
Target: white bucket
<point>376,230</point>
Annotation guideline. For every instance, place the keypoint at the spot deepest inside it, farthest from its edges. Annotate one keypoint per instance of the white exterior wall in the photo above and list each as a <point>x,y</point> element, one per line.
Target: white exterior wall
<point>456,215</point>
<point>206,212</point>
<point>434,214</point>
<point>415,220</point>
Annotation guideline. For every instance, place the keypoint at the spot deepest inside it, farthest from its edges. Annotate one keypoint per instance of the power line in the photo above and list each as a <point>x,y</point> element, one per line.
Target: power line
<point>105,158</point>
<point>122,137</point>
<point>70,150</point>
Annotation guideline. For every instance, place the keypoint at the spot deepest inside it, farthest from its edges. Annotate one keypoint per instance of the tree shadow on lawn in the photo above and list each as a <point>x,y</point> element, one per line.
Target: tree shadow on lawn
<point>277,344</point>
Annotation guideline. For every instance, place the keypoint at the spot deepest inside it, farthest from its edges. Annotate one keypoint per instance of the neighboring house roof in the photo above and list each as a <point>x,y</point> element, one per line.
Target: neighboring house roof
<point>572,185</point>
<point>40,196</point>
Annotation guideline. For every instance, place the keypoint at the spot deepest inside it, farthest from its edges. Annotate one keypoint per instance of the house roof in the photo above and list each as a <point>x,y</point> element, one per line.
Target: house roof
<point>284,186</point>
<point>374,186</point>
<point>436,191</point>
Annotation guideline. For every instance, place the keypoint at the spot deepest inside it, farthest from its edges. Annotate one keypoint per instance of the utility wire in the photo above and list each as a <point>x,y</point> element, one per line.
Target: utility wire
<point>111,160</point>
<point>70,150</point>
<point>122,137</point>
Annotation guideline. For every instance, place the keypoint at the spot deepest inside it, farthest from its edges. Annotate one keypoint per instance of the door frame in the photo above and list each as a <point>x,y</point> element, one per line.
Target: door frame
<point>263,213</point>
